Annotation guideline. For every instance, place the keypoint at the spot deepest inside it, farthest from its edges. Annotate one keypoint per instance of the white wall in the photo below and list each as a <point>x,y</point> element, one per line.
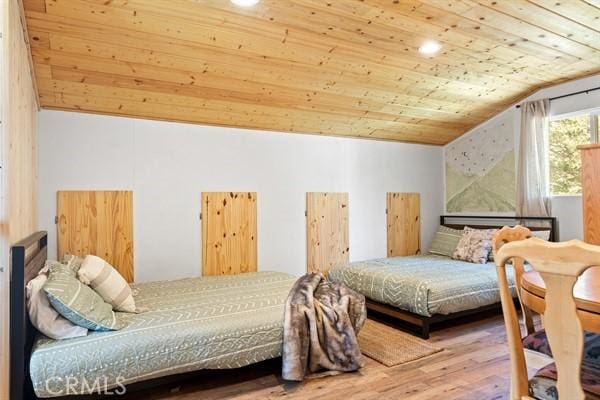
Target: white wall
<point>567,209</point>
<point>168,165</point>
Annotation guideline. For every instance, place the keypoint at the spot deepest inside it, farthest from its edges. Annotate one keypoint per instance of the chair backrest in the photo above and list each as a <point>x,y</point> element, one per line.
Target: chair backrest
<point>507,235</point>
<point>559,265</point>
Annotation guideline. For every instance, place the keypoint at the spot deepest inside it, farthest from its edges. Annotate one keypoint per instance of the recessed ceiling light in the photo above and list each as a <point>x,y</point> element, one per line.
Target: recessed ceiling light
<point>430,48</point>
<point>245,3</point>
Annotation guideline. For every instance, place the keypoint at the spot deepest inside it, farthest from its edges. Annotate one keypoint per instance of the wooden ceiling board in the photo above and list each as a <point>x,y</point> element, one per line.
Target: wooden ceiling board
<point>377,38</point>
<point>508,50</point>
<point>548,20</point>
<point>82,50</point>
<point>578,11</point>
<point>422,21</point>
<point>524,28</point>
<point>332,67</point>
<point>386,46</point>
<point>212,77</point>
<point>187,51</point>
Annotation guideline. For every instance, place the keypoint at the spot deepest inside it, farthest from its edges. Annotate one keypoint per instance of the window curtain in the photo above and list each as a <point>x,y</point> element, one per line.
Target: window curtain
<point>533,177</point>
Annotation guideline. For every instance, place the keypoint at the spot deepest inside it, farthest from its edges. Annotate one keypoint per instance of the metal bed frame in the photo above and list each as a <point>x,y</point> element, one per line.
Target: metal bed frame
<point>421,325</point>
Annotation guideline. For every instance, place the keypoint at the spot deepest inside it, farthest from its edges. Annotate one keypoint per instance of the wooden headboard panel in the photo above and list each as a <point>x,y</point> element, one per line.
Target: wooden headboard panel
<point>99,223</point>
<point>403,211</point>
<point>229,233</point>
<point>27,258</point>
<point>489,222</point>
<point>327,234</point>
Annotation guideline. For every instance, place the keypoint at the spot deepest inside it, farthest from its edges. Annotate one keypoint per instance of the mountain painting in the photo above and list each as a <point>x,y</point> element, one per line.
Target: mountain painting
<point>480,170</point>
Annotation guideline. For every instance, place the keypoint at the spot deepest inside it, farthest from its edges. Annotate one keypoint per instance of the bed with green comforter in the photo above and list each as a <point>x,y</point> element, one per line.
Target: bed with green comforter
<point>189,324</point>
<point>424,284</point>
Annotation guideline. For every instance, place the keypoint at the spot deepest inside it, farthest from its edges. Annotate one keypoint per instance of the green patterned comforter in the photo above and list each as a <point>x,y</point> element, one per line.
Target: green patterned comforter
<point>425,285</point>
<point>191,324</point>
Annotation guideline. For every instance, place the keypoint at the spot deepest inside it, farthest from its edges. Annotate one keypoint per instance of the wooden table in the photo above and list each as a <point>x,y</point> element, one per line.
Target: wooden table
<point>587,296</point>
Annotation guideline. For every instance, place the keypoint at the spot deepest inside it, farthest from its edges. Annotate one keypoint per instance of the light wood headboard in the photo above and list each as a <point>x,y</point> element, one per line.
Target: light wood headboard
<point>403,224</point>
<point>326,231</point>
<point>99,223</point>
<point>229,233</point>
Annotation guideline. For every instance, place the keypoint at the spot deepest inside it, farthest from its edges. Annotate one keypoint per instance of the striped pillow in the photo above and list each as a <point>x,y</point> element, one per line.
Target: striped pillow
<point>445,241</point>
<point>77,302</point>
<point>107,282</point>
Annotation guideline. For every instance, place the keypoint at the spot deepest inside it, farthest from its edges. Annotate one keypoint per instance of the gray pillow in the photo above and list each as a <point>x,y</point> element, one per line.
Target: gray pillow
<point>77,302</point>
<point>72,261</point>
<point>475,245</point>
<point>445,241</point>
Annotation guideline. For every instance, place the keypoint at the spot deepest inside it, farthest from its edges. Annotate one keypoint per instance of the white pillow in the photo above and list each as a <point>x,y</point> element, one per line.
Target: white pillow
<point>107,282</point>
<point>44,317</point>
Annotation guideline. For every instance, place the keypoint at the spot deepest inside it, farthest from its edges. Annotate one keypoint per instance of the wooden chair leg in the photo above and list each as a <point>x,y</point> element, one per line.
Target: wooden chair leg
<point>528,320</point>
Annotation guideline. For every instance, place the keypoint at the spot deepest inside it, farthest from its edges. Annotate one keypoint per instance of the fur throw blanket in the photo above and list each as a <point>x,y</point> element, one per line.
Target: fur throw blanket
<point>322,321</point>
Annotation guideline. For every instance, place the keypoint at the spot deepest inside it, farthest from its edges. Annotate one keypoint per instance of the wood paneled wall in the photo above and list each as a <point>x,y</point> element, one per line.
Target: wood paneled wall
<point>18,131</point>
<point>326,231</point>
<point>22,132</point>
<point>403,224</point>
<point>229,237</point>
<point>99,223</point>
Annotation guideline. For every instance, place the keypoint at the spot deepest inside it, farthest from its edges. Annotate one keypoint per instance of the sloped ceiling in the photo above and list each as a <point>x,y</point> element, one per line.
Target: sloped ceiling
<point>332,67</point>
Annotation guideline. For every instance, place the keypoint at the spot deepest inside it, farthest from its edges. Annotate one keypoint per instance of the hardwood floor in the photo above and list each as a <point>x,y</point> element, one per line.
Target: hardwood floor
<point>473,366</point>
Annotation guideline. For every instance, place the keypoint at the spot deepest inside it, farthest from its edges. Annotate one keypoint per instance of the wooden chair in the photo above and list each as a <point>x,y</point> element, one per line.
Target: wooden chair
<point>507,235</point>
<point>534,340</point>
<point>559,264</point>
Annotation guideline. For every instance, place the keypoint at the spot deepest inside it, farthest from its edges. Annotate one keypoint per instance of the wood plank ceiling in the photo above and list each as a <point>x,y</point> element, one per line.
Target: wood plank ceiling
<point>334,67</point>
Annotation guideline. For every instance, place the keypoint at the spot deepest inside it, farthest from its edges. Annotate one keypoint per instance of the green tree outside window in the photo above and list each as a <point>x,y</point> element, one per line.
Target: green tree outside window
<point>565,161</point>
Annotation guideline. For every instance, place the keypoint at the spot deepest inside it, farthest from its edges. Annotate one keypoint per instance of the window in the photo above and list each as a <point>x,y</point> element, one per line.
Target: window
<point>565,161</point>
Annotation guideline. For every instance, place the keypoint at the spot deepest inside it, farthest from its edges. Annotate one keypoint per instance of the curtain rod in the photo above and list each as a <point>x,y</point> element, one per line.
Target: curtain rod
<point>570,94</point>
